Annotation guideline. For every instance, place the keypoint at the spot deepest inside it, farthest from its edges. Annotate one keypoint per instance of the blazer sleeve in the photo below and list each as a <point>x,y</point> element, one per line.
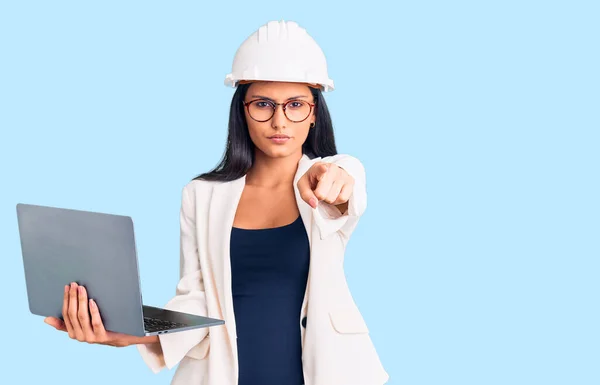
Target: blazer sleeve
<point>328,218</point>
<point>189,298</point>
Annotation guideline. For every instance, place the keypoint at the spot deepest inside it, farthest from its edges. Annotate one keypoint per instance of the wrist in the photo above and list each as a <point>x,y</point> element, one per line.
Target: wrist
<point>146,340</point>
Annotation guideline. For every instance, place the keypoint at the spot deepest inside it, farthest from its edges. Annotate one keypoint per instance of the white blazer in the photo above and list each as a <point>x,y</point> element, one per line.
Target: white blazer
<point>336,346</point>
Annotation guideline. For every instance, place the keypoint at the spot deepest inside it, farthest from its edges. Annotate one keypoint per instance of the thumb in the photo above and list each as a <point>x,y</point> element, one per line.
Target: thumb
<point>55,323</point>
<point>312,200</point>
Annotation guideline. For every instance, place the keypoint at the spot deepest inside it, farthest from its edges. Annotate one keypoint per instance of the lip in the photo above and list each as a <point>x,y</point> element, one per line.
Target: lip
<point>279,139</point>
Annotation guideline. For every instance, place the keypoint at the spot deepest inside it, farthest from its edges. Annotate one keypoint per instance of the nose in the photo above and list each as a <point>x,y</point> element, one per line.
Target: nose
<point>279,118</point>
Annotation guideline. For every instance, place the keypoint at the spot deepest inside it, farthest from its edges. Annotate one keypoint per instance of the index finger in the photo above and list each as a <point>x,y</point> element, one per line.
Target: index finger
<point>324,185</point>
<point>320,171</point>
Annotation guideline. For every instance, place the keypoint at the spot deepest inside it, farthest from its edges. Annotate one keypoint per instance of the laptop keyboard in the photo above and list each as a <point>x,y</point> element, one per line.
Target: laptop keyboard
<point>154,324</point>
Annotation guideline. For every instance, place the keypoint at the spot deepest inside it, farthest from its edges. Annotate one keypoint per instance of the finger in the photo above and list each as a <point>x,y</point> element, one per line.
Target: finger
<point>335,190</point>
<point>97,325</point>
<point>83,315</point>
<point>320,170</point>
<point>306,192</point>
<point>344,195</point>
<point>65,313</point>
<point>73,317</point>
<point>55,323</point>
<point>324,186</point>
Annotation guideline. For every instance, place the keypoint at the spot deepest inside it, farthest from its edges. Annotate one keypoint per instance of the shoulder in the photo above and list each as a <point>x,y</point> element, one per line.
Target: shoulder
<point>337,159</point>
<point>198,190</point>
<point>198,186</point>
<point>194,195</point>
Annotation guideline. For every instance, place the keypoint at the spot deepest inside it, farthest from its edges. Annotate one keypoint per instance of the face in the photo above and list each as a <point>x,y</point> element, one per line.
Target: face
<point>281,135</point>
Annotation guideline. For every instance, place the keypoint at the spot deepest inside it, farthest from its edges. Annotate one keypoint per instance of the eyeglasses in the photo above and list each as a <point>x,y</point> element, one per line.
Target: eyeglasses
<point>295,110</point>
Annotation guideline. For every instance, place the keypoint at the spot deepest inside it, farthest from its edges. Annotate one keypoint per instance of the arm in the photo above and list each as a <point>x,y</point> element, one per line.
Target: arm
<point>170,348</point>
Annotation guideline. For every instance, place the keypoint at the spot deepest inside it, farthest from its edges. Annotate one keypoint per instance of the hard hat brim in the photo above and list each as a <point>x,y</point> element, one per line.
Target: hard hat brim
<point>323,86</point>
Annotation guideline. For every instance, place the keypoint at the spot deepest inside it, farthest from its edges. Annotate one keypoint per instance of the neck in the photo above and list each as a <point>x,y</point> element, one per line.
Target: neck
<point>273,172</point>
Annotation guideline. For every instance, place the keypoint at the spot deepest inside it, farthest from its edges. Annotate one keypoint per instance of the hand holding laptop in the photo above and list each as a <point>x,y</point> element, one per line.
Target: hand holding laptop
<point>83,322</point>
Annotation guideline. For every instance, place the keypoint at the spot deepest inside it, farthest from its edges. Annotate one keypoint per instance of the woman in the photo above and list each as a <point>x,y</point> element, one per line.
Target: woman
<point>263,237</point>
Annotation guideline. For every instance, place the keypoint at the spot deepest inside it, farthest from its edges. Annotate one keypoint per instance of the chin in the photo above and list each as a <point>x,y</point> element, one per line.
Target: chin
<point>278,151</point>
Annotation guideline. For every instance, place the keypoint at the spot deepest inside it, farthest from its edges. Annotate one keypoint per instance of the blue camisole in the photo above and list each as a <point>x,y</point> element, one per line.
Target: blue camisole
<point>269,271</point>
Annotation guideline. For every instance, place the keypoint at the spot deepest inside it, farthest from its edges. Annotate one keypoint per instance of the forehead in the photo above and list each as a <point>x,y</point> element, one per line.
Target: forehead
<point>279,90</point>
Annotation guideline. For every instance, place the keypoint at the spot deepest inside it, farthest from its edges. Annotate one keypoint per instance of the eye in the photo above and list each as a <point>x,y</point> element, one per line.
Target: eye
<point>263,104</point>
<point>295,104</point>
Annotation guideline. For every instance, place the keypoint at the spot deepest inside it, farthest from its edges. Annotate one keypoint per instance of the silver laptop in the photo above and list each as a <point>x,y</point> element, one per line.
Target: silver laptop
<point>98,251</point>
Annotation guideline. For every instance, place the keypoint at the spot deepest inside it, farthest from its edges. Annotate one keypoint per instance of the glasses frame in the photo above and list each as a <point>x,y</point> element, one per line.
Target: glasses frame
<point>283,105</point>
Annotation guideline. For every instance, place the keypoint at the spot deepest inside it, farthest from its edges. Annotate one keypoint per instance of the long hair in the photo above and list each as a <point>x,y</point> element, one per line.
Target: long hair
<point>239,152</point>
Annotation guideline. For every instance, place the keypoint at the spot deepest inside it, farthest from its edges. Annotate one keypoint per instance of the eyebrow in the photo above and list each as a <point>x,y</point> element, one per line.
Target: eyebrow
<point>265,97</point>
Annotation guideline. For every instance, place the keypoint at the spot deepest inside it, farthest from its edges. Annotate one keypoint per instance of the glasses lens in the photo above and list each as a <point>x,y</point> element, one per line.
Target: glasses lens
<point>297,110</point>
<point>261,110</point>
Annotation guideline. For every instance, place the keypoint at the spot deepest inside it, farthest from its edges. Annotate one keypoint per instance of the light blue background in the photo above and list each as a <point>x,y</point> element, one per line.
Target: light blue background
<point>477,260</point>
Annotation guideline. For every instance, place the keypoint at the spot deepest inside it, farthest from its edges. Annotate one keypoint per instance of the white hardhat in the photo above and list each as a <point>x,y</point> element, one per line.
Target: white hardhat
<point>280,51</point>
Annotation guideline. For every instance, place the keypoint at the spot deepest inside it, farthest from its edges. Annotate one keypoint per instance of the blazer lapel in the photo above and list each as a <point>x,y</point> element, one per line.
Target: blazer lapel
<point>223,206</point>
<point>303,207</point>
<point>306,214</point>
